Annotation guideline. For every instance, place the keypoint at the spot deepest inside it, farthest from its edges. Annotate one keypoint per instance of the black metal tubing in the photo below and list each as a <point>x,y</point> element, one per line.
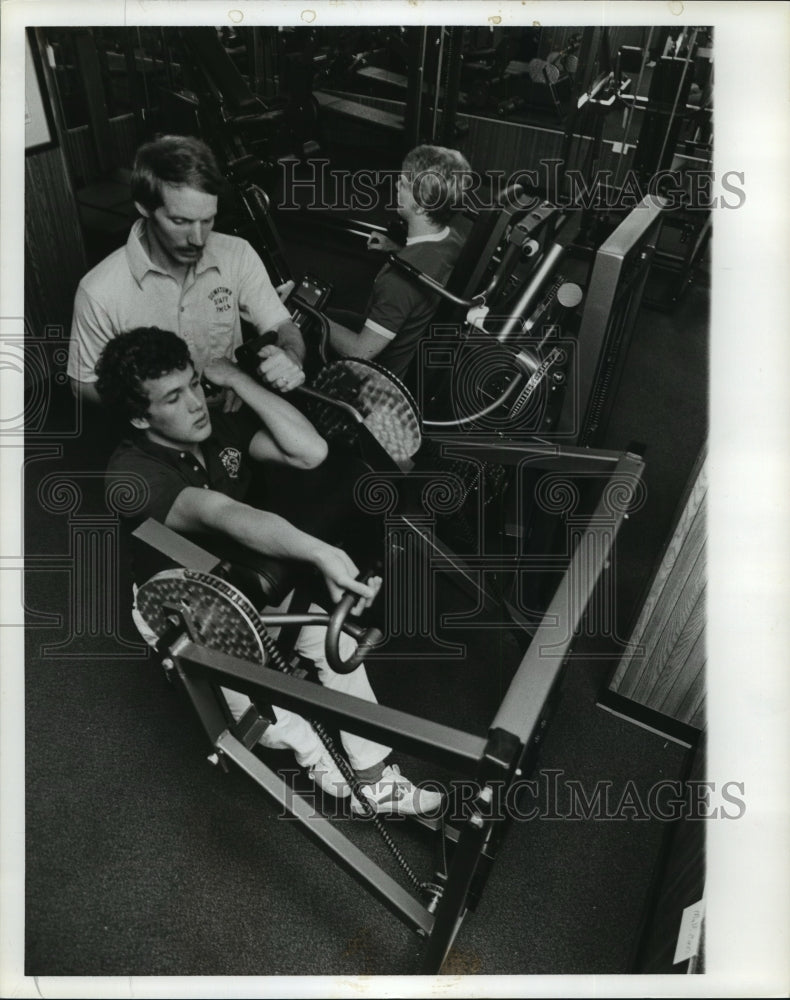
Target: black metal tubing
<point>200,693</point>
<point>452,747</point>
<point>512,737</point>
<point>339,224</point>
<point>481,826</point>
<point>522,706</point>
<point>425,279</point>
<point>417,40</point>
<point>329,839</point>
<point>452,906</point>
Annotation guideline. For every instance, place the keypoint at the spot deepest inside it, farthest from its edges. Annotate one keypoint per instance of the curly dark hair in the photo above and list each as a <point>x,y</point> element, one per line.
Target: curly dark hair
<point>181,160</point>
<point>130,359</point>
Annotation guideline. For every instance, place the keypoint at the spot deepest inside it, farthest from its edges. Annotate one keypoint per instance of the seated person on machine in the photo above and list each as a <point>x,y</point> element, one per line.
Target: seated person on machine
<point>399,309</point>
<point>176,273</point>
<point>197,467</point>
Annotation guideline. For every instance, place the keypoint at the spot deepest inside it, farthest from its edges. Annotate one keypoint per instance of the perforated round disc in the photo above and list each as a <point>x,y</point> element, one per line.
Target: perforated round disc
<point>385,404</point>
<point>223,618</point>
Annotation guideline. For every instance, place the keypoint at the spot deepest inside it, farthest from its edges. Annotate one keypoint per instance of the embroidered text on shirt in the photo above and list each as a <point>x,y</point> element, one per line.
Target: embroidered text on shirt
<point>221,297</point>
<point>231,461</point>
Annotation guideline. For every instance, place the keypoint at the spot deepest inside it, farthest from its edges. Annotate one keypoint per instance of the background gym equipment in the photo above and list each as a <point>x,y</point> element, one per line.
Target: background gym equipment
<point>580,926</point>
<point>640,102</point>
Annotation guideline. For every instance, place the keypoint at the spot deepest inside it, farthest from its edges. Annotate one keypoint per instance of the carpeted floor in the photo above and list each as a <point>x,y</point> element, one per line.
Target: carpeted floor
<point>142,859</point>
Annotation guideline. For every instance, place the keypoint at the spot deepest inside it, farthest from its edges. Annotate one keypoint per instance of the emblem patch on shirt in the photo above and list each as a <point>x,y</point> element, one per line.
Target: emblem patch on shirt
<point>222,298</point>
<point>231,461</point>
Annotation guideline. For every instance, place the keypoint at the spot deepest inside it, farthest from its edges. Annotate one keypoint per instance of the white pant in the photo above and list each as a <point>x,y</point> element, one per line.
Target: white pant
<point>291,731</point>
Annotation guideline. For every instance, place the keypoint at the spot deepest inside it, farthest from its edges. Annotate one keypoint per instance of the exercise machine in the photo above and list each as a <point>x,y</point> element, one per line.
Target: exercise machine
<point>208,634</point>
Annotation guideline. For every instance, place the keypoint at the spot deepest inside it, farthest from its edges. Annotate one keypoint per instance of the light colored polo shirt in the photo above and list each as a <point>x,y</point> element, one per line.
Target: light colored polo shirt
<point>127,290</point>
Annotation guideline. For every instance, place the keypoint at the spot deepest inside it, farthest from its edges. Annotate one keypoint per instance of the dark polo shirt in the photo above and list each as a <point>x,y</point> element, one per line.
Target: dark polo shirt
<point>158,474</point>
<point>167,471</point>
<point>319,501</point>
<point>400,309</point>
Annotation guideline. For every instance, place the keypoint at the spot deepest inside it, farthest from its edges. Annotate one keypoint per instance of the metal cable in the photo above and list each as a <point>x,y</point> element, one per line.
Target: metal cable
<point>511,388</point>
<point>345,769</point>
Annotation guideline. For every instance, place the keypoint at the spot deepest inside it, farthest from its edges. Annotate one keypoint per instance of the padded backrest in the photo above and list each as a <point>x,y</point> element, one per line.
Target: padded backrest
<point>486,228</point>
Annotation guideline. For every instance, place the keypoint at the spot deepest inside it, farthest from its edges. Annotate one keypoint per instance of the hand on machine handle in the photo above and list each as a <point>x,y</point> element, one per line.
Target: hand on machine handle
<point>247,358</point>
<point>285,289</point>
<point>261,356</point>
<point>380,241</point>
<point>279,370</point>
<point>367,639</point>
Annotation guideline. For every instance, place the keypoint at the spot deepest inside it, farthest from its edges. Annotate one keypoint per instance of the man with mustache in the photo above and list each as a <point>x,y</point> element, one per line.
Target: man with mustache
<point>176,273</point>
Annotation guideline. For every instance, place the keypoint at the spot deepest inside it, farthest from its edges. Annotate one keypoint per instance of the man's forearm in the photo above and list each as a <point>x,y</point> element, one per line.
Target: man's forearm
<point>290,340</point>
<point>290,432</point>
<point>364,345</point>
<point>259,530</point>
<point>344,341</point>
<point>266,533</point>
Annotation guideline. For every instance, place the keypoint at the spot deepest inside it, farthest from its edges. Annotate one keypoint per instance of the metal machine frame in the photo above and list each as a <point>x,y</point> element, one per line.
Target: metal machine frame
<point>612,300</point>
<point>495,763</point>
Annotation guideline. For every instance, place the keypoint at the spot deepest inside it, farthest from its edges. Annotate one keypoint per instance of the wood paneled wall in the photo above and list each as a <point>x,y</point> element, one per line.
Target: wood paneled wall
<point>667,675</point>
<point>493,144</point>
<point>54,248</point>
<point>82,153</point>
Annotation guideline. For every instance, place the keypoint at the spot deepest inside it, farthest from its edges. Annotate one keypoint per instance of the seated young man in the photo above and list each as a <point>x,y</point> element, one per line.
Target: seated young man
<point>197,465</point>
<point>399,309</point>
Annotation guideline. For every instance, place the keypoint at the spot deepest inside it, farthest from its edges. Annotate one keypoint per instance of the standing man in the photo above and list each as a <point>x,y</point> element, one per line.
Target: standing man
<point>399,310</point>
<point>177,274</point>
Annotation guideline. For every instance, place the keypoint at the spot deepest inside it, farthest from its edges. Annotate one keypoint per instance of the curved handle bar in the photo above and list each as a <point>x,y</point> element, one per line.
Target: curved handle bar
<point>427,280</point>
<point>247,357</point>
<point>369,638</point>
<point>322,321</point>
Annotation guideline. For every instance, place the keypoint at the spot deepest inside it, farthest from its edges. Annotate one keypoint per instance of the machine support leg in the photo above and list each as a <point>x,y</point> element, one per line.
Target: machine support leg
<point>497,767</point>
<point>452,904</point>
